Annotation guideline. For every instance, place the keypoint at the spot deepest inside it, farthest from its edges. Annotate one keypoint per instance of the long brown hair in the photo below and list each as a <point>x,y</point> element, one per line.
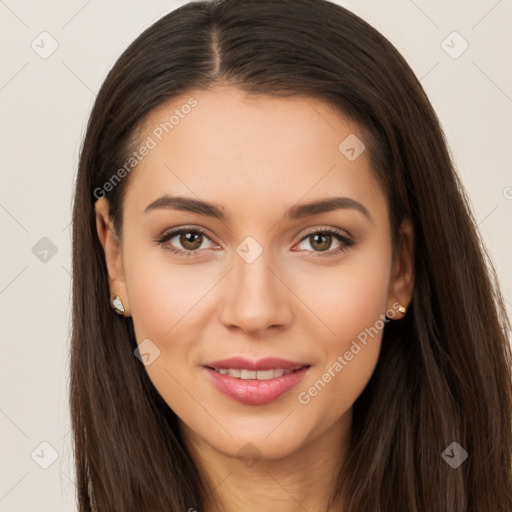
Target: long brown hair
<point>444,372</point>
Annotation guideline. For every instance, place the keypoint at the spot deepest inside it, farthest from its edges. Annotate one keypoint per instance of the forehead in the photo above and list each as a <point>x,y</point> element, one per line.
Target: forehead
<point>224,145</point>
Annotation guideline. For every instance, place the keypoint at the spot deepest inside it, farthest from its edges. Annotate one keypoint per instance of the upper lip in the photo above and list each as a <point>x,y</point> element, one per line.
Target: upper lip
<point>267,363</point>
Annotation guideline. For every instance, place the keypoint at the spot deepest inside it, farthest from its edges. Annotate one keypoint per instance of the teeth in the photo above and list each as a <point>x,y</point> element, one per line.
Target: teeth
<point>252,374</point>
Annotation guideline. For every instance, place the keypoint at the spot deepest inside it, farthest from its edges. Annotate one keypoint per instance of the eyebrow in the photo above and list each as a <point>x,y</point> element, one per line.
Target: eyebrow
<point>295,212</point>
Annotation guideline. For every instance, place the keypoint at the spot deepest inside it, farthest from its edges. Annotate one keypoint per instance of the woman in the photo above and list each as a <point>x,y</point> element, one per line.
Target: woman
<point>306,318</point>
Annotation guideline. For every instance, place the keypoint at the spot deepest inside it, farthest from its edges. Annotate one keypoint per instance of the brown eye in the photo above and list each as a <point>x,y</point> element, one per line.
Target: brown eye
<point>184,241</point>
<point>319,241</point>
<point>190,240</point>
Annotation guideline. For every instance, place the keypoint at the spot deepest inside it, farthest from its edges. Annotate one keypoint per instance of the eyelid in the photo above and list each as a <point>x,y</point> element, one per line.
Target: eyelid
<point>331,229</point>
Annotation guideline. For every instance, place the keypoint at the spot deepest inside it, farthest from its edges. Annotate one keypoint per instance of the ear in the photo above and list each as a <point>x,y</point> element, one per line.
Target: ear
<point>401,283</point>
<point>113,254</point>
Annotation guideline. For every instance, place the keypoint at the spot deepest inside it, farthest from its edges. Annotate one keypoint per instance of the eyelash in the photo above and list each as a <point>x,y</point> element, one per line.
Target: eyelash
<point>346,242</point>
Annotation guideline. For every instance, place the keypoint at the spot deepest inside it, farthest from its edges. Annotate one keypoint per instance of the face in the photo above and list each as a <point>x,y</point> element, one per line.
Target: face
<point>255,276</point>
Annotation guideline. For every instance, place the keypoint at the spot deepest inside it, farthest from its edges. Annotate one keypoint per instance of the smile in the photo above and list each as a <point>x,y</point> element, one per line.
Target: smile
<point>255,387</point>
<point>252,374</point>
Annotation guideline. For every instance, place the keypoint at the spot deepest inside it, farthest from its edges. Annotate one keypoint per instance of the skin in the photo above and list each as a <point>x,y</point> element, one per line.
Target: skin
<point>256,157</point>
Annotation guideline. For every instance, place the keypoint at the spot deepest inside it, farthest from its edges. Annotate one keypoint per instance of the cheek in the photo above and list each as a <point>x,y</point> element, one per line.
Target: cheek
<point>163,296</point>
<point>166,308</point>
<point>348,362</point>
<point>348,297</point>
<point>351,303</point>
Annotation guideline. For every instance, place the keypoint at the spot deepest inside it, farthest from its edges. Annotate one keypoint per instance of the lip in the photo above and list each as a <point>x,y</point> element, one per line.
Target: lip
<point>268,363</point>
<point>253,391</point>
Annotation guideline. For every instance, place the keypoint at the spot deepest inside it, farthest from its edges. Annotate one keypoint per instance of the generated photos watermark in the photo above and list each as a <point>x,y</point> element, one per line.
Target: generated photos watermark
<point>151,142</point>
<point>343,360</point>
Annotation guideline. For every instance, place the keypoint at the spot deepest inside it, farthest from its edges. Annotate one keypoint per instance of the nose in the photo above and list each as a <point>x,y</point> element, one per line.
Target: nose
<point>256,296</point>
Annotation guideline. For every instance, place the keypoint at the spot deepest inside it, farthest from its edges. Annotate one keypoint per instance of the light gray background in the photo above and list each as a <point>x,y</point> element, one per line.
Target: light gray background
<point>44,106</point>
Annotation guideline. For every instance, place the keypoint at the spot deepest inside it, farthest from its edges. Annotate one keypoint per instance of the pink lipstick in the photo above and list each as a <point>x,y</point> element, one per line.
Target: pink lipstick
<point>255,382</point>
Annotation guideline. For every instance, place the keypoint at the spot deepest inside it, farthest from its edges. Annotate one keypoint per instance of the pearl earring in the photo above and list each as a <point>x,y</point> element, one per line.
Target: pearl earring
<point>117,305</point>
<point>401,308</point>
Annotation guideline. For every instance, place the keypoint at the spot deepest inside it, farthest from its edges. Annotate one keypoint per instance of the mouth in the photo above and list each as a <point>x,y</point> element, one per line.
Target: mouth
<point>255,383</point>
<point>244,374</point>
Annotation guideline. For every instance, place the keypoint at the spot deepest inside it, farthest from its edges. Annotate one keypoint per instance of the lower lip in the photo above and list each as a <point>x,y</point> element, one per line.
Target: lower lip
<point>253,391</point>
